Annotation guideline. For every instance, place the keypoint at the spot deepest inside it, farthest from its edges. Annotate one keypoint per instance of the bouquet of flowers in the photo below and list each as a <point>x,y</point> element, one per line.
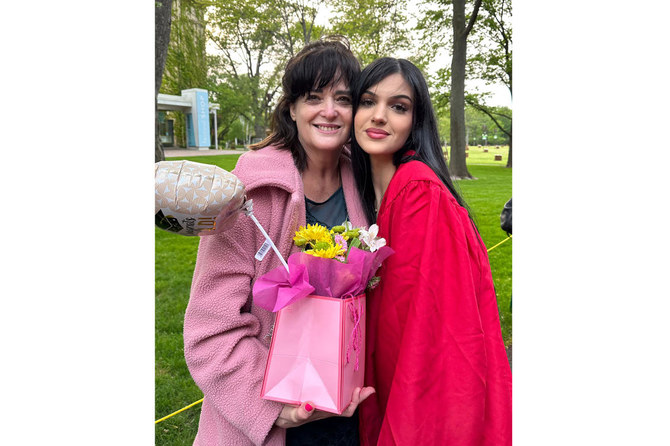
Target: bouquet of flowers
<point>318,340</point>
<point>336,263</point>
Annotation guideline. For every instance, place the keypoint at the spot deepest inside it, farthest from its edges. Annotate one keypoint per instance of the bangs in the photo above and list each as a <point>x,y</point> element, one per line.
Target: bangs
<point>321,70</point>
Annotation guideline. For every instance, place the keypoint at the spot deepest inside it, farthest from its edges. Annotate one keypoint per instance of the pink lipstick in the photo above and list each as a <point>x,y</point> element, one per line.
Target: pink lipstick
<point>376,133</point>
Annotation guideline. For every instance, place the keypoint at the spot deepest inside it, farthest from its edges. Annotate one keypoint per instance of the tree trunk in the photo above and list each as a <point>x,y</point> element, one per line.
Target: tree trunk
<point>163,22</point>
<point>457,167</point>
<point>259,130</point>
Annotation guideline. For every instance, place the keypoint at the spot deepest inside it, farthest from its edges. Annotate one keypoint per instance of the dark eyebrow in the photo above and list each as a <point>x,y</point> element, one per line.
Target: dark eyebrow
<point>399,96</point>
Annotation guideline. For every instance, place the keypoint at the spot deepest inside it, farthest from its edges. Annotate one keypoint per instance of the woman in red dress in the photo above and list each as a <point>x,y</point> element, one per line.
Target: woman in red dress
<point>434,351</point>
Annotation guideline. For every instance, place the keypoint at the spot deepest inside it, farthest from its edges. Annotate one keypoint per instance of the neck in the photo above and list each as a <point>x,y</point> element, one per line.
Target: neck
<point>382,171</point>
<point>321,177</point>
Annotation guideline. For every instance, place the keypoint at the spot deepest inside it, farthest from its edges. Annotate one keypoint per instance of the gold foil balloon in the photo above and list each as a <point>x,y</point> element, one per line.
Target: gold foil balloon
<point>196,199</point>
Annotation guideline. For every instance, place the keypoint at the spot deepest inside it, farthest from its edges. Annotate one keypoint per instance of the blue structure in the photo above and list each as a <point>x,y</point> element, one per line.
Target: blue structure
<point>194,103</point>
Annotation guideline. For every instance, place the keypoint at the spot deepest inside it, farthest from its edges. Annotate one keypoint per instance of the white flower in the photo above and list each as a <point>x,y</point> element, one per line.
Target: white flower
<point>347,225</point>
<point>370,238</point>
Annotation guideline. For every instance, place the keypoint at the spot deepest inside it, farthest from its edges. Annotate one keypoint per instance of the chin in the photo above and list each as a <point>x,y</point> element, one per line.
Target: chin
<point>331,147</point>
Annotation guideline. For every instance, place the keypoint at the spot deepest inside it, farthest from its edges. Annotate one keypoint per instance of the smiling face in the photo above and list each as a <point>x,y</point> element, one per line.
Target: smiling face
<point>383,119</point>
<point>323,118</point>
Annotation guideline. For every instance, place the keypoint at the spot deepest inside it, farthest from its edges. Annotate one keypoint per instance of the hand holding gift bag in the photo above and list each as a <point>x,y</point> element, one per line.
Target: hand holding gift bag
<point>318,343</point>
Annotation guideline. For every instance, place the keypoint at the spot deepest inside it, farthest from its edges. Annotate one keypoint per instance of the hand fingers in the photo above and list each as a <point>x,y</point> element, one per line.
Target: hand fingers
<point>359,395</point>
<point>365,392</point>
<point>304,411</point>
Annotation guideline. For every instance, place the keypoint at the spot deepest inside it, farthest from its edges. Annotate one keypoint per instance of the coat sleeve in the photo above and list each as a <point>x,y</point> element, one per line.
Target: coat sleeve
<point>430,350</point>
<point>222,338</point>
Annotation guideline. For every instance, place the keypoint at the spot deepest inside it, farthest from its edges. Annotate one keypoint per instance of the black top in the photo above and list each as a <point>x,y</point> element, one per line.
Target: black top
<point>331,212</point>
<point>333,431</point>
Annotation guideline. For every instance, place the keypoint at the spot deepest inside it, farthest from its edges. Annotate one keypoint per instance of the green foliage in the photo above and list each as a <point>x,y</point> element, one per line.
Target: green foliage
<point>254,39</point>
<point>478,124</point>
<point>175,261</point>
<point>489,50</point>
<point>186,64</point>
<point>444,125</point>
<point>186,61</point>
<point>375,28</point>
<point>433,25</point>
<point>236,131</point>
<point>491,59</point>
<point>235,98</point>
<point>242,32</point>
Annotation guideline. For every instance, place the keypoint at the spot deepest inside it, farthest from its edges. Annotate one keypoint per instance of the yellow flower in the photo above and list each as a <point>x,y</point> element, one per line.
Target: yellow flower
<point>313,234</point>
<point>327,253</point>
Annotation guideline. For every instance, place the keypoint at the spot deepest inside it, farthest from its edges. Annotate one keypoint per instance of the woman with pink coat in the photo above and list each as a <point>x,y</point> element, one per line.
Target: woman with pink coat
<point>299,174</point>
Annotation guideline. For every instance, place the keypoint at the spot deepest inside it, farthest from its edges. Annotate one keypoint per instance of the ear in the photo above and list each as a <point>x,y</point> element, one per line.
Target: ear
<point>291,109</point>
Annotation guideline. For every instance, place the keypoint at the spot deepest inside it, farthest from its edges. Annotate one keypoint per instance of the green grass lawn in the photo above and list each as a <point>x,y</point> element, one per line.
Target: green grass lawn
<point>175,261</point>
<point>486,155</point>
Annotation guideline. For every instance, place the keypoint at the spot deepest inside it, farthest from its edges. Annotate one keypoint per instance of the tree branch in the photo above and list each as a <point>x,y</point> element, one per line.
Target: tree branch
<point>490,114</point>
<point>473,18</point>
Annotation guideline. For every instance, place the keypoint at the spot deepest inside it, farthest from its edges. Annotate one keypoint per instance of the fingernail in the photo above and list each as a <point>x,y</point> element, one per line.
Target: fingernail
<point>308,407</point>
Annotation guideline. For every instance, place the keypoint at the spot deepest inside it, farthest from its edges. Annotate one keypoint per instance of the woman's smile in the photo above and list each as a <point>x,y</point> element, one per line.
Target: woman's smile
<point>327,128</point>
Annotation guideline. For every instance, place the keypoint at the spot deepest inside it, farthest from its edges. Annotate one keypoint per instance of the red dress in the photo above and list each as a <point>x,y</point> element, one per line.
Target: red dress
<point>434,349</point>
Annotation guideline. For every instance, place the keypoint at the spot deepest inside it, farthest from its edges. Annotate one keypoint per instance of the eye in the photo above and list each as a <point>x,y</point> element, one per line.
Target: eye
<point>311,97</point>
<point>367,102</point>
<point>400,108</point>
<point>345,100</point>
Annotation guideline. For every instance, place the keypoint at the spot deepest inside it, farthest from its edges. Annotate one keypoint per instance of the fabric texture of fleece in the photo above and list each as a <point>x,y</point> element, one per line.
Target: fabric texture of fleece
<point>226,336</point>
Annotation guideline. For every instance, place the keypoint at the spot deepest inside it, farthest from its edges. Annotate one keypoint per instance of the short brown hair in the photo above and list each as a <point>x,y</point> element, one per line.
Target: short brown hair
<point>320,63</point>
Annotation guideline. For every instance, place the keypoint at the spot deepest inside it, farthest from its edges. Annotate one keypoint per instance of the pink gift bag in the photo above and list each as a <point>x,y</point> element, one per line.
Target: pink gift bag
<point>317,352</point>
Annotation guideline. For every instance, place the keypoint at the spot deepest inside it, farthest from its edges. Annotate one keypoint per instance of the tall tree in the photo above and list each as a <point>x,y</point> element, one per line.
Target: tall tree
<point>163,21</point>
<point>461,29</point>
<point>492,61</point>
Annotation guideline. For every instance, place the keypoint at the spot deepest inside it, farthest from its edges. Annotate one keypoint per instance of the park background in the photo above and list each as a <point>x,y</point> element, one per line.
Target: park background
<point>236,50</point>
<point>590,294</point>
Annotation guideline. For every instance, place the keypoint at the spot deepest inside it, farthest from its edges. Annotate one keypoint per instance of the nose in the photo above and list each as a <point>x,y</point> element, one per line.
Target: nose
<point>329,111</point>
<point>379,115</point>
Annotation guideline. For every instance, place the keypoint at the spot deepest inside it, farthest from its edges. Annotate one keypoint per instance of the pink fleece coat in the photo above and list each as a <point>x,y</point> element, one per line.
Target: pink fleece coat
<point>226,336</point>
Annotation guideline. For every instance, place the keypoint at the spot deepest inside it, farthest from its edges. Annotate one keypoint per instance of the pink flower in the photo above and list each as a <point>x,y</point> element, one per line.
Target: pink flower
<point>341,241</point>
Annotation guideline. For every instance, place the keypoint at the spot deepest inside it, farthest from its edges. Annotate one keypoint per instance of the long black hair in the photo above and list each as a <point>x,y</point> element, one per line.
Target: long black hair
<point>320,63</point>
<point>424,137</point>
